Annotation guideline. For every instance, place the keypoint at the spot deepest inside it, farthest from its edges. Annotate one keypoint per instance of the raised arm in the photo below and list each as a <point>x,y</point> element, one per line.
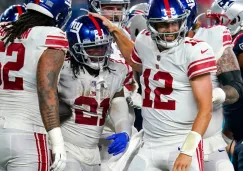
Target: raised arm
<point>124,44</point>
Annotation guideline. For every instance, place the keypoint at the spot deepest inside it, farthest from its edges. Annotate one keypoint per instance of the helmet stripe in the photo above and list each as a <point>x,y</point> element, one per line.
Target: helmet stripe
<point>97,26</point>
<point>37,1</point>
<point>19,9</point>
<point>167,8</point>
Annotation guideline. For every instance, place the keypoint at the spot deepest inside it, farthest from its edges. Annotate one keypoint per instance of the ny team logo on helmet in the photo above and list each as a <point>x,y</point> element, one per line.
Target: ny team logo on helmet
<point>167,11</point>
<point>12,13</point>
<point>87,32</point>
<point>59,10</point>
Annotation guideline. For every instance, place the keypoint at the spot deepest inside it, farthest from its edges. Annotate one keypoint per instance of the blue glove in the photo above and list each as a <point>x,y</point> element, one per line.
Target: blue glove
<point>119,144</point>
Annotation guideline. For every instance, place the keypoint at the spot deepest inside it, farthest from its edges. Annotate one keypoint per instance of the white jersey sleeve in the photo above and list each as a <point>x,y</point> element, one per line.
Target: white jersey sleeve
<point>218,37</point>
<point>200,58</point>
<point>136,57</point>
<point>117,57</point>
<point>55,39</point>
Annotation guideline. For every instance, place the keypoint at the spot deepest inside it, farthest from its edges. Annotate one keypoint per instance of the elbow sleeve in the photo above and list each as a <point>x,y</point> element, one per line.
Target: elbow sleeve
<point>233,79</point>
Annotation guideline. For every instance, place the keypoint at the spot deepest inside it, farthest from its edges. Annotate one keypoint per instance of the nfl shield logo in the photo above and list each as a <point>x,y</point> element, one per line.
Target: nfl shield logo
<point>241,46</point>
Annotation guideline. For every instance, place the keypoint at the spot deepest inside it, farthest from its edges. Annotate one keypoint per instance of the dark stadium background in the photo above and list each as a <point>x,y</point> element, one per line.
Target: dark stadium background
<point>77,4</point>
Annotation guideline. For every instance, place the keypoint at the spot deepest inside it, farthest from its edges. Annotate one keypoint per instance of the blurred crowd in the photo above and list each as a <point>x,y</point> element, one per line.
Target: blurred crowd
<point>77,4</point>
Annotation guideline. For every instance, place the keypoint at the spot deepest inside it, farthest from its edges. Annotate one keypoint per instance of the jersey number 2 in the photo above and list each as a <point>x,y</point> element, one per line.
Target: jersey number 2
<point>17,84</point>
<point>166,90</point>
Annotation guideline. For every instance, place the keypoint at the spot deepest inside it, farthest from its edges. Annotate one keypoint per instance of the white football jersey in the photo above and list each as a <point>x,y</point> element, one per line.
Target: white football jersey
<point>219,38</point>
<point>117,56</point>
<point>89,111</point>
<point>169,107</point>
<point>18,65</point>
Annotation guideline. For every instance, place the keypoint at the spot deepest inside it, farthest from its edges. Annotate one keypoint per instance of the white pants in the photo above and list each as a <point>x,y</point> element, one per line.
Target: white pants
<point>23,151</point>
<point>160,157</point>
<point>215,155</point>
<point>218,161</point>
<point>73,164</point>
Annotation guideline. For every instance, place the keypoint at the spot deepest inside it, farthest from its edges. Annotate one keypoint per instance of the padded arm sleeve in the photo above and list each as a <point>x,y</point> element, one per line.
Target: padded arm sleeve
<point>233,79</point>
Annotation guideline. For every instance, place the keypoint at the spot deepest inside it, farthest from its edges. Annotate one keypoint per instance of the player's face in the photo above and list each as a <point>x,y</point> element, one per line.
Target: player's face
<point>112,12</point>
<point>171,27</point>
<point>98,51</point>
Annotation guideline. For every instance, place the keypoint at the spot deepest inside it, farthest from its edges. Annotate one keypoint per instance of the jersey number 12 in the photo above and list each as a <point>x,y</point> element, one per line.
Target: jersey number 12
<point>166,90</point>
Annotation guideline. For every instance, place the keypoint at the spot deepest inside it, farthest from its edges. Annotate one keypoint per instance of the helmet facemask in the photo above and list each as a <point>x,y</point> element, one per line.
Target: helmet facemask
<point>168,39</point>
<point>115,11</point>
<point>93,54</point>
<point>217,19</point>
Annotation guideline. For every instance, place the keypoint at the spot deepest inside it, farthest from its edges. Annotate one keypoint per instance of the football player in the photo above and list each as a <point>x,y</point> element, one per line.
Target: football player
<point>230,14</point>
<point>92,84</point>
<point>32,51</point>
<point>116,11</point>
<point>176,87</point>
<point>225,87</point>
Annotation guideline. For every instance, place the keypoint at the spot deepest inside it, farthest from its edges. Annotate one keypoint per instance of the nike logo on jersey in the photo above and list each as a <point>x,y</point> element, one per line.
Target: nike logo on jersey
<point>203,51</point>
<point>220,150</point>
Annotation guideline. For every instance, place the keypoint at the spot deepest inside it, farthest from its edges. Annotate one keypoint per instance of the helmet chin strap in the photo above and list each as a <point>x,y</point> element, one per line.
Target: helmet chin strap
<point>100,84</point>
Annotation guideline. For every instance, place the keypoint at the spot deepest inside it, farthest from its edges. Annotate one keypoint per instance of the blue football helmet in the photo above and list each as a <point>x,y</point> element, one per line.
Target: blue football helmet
<point>89,42</point>
<point>165,13</point>
<point>115,16</point>
<point>12,13</point>
<point>191,5</point>
<point>59,10</point>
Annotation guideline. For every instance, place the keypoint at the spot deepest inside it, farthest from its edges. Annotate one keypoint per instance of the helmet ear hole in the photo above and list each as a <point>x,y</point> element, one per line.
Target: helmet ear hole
<point>136,32</point>
<point>238,18</point>
<point>233,21</point>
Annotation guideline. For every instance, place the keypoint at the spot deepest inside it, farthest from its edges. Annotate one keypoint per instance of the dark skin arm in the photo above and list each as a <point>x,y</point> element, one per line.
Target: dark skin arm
<point>228,62</point>
<point>48,70</point>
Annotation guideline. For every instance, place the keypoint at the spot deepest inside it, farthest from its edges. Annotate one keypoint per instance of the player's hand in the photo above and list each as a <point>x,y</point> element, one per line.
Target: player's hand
<point>111,27</point>
<point>58,150</point>
<point>135,100</point>
<point>119,144</point>
<point>182,163</point>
